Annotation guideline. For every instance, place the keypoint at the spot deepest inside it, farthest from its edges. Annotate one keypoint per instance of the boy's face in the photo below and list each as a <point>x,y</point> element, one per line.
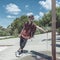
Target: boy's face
<point>31,18</point>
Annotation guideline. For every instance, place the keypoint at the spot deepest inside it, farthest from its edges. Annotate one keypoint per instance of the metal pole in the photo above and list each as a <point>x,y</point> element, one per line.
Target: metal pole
<point>53,30</point>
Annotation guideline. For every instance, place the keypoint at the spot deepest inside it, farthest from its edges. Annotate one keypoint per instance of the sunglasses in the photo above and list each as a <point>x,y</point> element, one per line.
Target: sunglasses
<point>32,17</point>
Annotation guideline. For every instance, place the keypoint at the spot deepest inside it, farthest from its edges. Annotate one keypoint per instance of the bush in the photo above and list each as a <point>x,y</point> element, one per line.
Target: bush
<point>4,33</point>
<point>15,32</point>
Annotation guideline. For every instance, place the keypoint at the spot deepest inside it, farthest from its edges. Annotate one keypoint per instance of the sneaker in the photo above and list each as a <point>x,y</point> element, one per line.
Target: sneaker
<point>21,51</point>
<point>17,54</point>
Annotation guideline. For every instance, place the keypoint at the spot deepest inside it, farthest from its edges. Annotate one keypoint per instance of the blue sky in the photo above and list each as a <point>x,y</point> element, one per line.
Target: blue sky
<point>11,9</point>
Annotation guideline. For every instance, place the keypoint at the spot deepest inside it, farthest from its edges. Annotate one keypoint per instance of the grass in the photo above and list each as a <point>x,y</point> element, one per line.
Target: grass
<point>7,37</point>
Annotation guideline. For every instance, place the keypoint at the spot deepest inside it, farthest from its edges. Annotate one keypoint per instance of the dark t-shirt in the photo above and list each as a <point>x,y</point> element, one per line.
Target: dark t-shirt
<point>29,29</point>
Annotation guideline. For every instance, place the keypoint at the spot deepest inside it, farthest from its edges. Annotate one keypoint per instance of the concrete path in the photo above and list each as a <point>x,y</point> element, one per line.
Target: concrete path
<point>39,45</point>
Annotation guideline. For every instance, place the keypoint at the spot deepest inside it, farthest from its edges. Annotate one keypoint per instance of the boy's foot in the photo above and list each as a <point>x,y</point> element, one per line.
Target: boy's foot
<point>18,53</point>
<point>21,51</point>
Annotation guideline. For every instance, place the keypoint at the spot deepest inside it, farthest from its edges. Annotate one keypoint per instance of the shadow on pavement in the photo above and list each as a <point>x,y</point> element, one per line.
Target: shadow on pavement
<point>57,45</point>
<point>35,56</point>
<point>25,51</point>
<point>57,39</point>
<point>45,57</point>
<point>46,39</point>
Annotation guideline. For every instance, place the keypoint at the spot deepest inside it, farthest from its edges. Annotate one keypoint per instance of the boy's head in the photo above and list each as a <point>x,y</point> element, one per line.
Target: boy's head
<point>31,17</point>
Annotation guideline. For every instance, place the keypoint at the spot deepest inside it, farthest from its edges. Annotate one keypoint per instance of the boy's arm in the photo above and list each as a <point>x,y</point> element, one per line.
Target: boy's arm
<point>40,28</point>
<point>21,32</point>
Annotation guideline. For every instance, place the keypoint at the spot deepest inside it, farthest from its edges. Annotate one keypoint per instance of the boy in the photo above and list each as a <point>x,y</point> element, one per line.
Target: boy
<point>27,32</point>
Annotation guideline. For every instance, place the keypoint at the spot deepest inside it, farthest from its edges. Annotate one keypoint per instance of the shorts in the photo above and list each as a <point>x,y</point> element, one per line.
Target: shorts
<point>23,42</point>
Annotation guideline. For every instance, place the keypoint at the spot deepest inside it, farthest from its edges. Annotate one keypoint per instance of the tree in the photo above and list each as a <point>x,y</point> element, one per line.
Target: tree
<point>47,20</point>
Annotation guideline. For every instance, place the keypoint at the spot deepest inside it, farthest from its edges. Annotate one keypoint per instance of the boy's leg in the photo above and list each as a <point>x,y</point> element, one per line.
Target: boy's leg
<point>22,44</point>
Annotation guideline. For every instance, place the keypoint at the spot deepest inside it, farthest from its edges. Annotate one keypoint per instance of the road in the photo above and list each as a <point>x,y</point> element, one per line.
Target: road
<point>39,43</point>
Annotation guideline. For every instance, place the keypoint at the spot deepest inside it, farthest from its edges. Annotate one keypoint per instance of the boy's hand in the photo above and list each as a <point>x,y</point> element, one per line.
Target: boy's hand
<point>46,31</point>
<point>19,35</point>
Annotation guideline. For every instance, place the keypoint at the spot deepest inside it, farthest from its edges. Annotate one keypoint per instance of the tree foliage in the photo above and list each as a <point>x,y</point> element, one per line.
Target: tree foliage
<point>47,19</point>
<point>3,31</point>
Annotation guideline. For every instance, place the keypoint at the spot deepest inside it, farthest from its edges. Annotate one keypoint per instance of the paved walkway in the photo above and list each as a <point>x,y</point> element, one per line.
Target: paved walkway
<point>39,46</point>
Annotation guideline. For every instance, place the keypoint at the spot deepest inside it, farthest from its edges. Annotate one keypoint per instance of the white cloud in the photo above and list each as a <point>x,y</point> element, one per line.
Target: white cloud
<point>36,17</point>
<point>9,16</point>
<point>41,14</point>
<point>28,14</point>
<point>47,4</point>
<point>57,4</point>
<point>12,8</point>
<point>26,6</point>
